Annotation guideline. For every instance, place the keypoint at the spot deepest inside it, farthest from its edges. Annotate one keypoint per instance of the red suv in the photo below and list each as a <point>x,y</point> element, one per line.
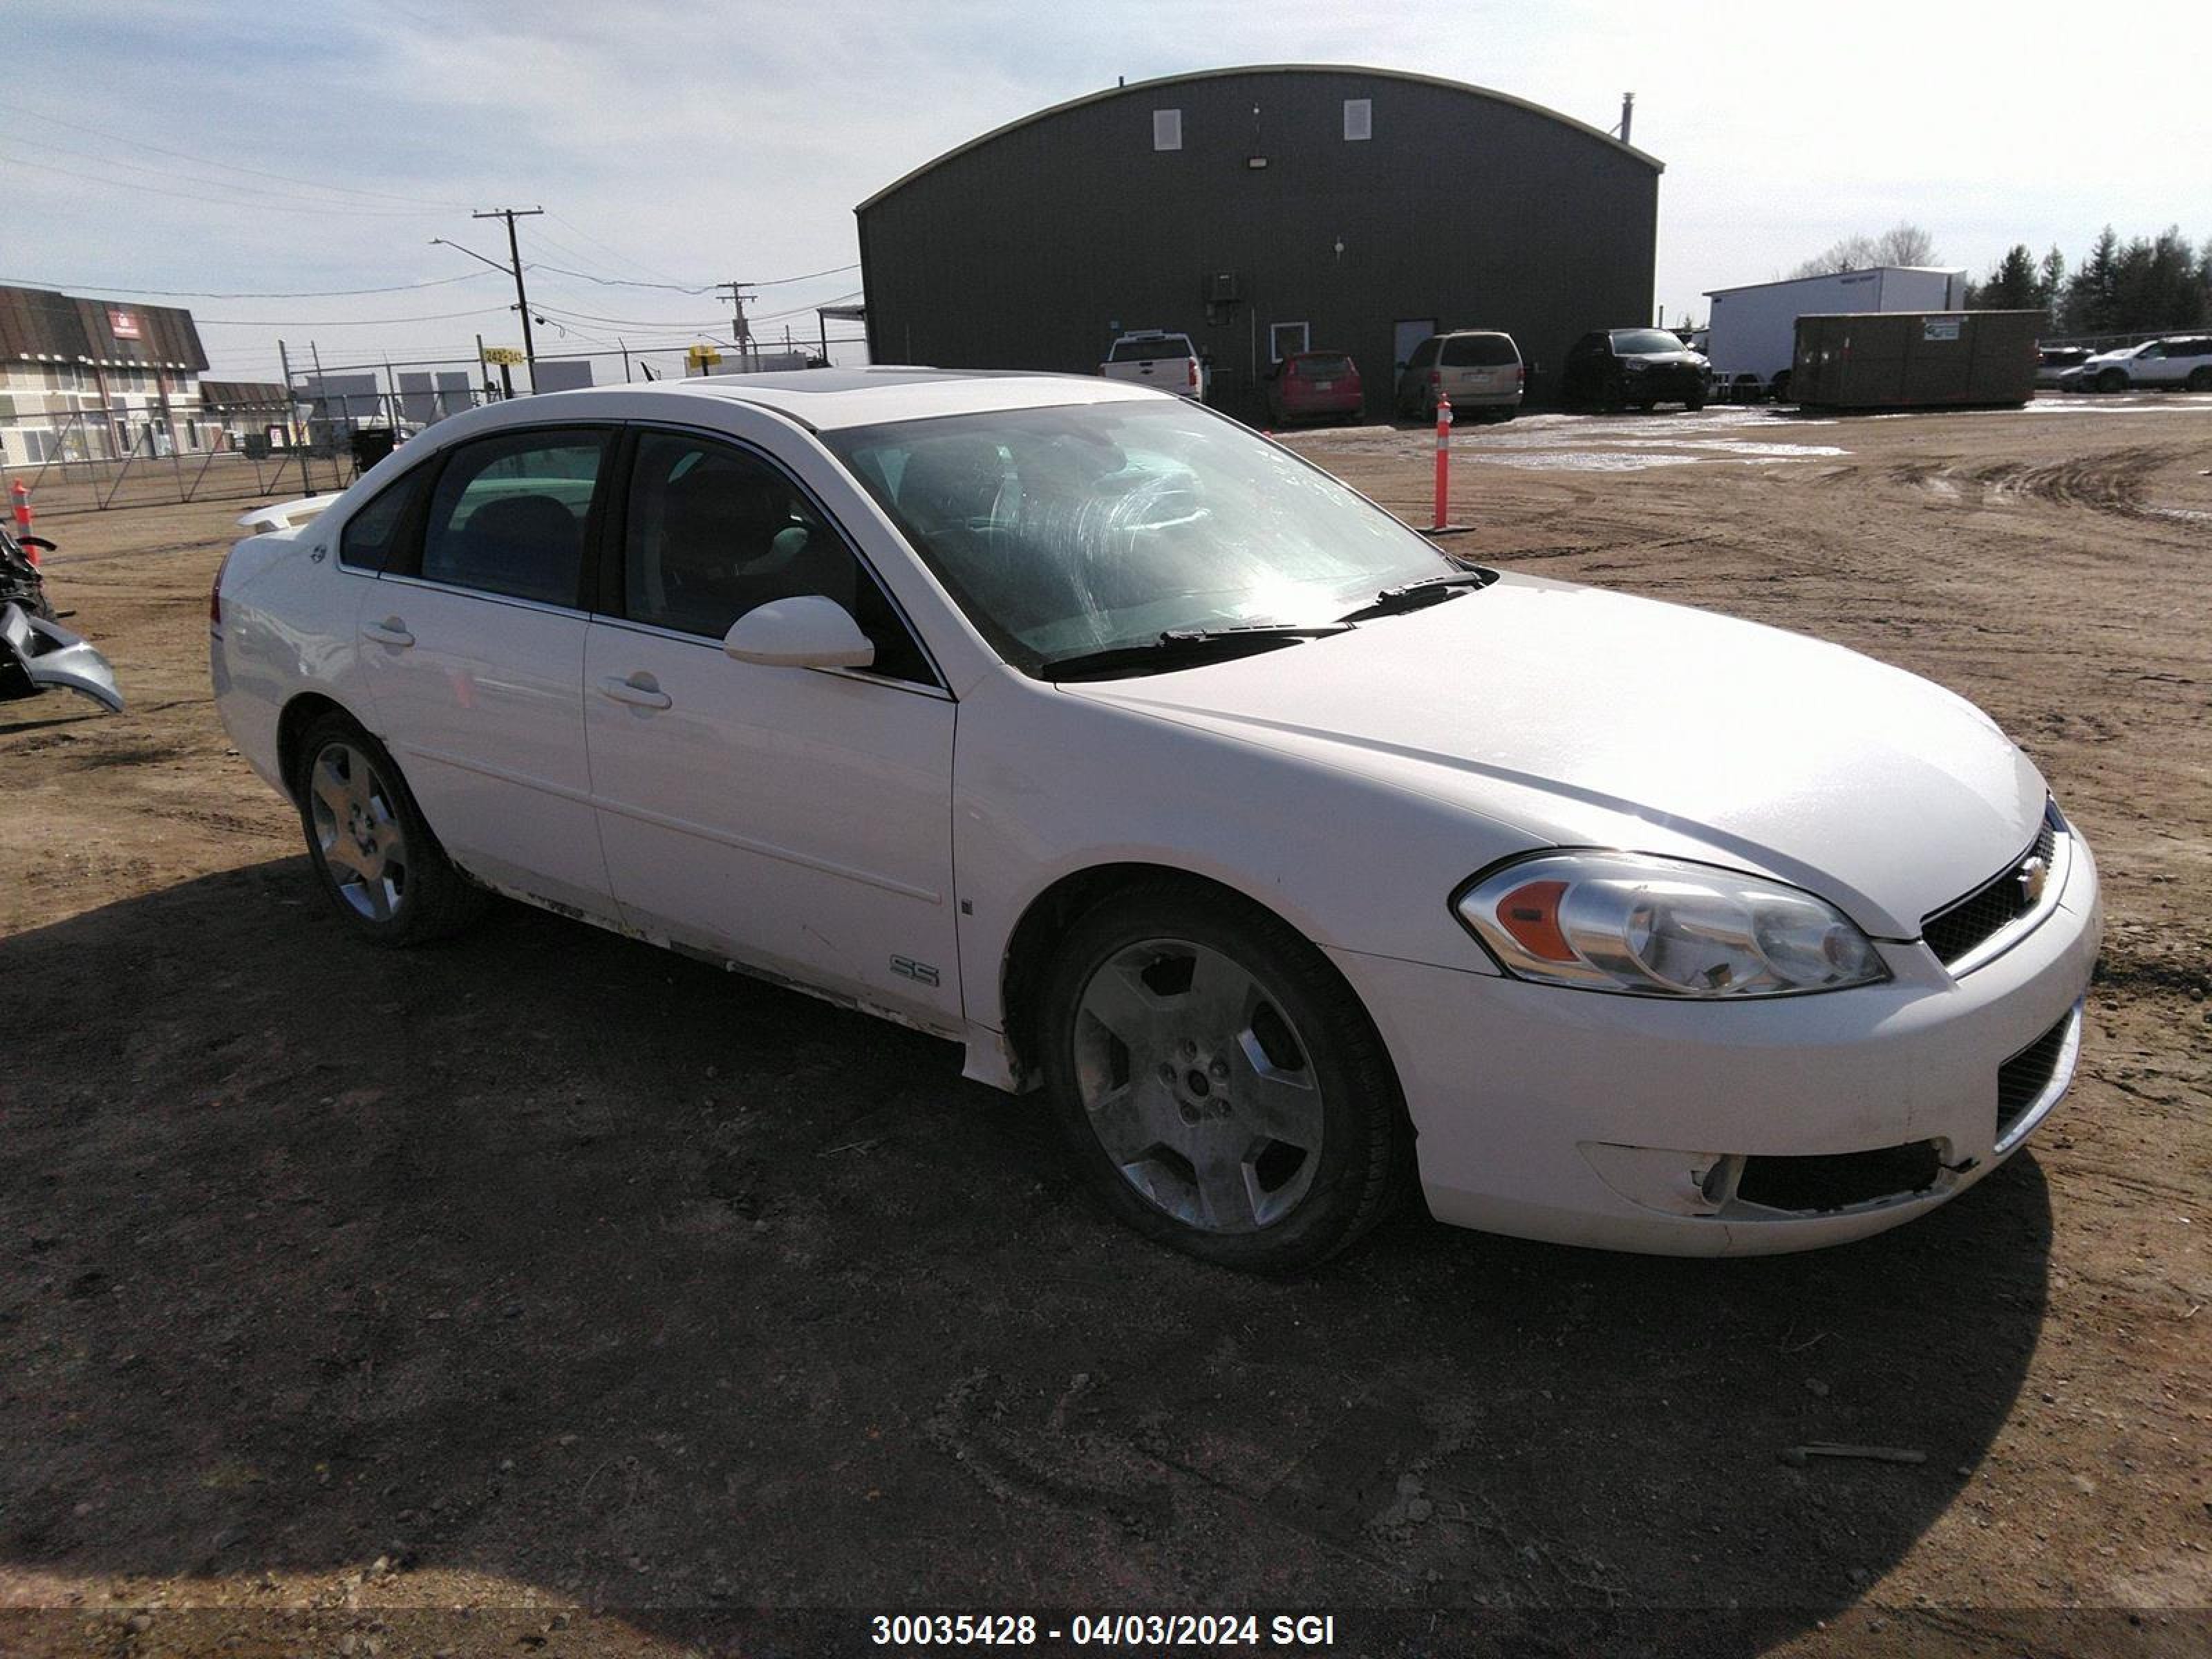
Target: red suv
<point>1314,386</point>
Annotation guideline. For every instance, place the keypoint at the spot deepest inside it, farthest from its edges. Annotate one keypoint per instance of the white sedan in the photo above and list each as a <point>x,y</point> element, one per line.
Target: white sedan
<point>1296,862</point>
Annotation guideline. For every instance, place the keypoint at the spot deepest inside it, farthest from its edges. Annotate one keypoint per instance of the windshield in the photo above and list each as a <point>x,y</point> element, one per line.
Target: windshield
<point>1643,342</point>
<point>1150,349</point>
<point>1063,531</point>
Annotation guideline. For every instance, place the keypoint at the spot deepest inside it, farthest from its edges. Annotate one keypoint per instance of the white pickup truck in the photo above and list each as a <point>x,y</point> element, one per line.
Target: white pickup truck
<point>1169,362</point>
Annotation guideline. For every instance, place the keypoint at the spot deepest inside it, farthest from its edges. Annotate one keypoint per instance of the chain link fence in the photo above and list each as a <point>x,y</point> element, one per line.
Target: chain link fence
<point>337,423</point>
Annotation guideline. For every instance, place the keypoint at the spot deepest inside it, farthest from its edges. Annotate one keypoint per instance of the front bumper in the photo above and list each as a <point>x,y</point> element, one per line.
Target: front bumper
<point>1637,1124</point>
<point>37,655</point>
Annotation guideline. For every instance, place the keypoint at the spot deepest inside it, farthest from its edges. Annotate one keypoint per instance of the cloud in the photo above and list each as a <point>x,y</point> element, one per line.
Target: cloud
<point>698,143</point>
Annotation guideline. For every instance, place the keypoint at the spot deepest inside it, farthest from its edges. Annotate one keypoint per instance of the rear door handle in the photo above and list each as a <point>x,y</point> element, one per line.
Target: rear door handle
<point>390,631</point>
<point>638,696</point>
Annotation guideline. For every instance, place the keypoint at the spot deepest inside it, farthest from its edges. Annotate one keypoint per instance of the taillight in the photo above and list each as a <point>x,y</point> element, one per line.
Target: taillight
<point>1521,373</point>
<point>1435,377</point>
<point>1194,375</point>
<point>215,594</point>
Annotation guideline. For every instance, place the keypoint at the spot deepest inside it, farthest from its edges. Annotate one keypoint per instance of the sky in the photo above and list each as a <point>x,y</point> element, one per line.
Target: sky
<point>216,149</point>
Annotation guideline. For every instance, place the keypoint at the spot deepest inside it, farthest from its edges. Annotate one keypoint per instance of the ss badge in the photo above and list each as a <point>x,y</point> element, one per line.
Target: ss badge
<point>920,972</point>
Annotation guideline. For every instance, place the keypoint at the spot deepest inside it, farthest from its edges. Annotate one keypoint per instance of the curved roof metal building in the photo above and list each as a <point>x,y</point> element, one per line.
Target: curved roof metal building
<point>1348,208</point>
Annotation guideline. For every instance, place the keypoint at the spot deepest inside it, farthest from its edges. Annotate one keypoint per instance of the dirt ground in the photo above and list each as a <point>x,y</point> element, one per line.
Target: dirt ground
<point>546,1294</point>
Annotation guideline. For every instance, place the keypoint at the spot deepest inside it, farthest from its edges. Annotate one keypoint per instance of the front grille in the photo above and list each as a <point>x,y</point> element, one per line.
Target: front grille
<point>1837,1181</point>
<point>2028,1074</point>
<point>1961,925</point>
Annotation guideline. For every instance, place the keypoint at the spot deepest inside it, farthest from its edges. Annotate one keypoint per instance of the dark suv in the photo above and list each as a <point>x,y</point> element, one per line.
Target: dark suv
<point>1613,368</point>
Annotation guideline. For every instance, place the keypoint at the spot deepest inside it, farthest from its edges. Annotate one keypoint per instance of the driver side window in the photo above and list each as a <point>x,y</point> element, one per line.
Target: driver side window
<point>713,532</point>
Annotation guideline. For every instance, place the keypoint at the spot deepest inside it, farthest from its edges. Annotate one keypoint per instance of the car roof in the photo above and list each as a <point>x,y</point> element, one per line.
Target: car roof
<point>825,399</point>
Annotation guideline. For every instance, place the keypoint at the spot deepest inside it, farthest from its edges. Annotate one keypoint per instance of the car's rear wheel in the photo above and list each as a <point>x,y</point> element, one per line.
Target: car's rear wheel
<point>1694,405</point>
<point>2200,379</point>
<point>1218,1085</point>
<point>375,859</point>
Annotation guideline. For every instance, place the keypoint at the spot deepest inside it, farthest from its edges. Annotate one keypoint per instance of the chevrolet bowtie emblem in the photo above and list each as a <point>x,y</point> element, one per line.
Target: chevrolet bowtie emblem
<point>2031,875</point>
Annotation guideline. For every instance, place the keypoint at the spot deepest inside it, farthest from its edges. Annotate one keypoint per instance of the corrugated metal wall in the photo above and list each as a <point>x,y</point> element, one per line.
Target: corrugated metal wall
<point>1028,250</point>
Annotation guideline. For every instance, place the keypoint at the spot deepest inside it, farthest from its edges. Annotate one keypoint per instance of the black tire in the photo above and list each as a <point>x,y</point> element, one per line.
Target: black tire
<point>2200,379</point>
<point>1429,408</point>
<point>2112,379</point>
<point>1364,1165</point>
<point>1781,388</point>
<point>430,899</point>
<point>1694,405</point>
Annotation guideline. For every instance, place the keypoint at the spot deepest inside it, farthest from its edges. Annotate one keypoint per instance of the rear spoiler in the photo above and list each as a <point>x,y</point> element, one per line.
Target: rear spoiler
<point>286,515</point>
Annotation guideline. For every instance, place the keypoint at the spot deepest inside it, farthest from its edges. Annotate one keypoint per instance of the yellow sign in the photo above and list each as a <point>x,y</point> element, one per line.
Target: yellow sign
<point>702,357</point>
<point>506,355</point>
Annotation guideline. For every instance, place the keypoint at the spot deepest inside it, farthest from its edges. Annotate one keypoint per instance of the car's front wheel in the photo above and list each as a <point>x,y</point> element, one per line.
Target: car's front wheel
<point>1218,1085</point>
<point>375,859</point>
<point>2111,381</point>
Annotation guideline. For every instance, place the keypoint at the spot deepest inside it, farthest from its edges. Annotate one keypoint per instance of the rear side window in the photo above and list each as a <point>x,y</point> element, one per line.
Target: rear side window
<point>1479,351</point>
<point>1150,350</point>
<point>1424,354</point>
<point>367,540</point>
<point>508,515</point>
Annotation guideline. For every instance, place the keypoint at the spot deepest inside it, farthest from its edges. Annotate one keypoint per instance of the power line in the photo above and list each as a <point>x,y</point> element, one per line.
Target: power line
<point>623,258</point>
<point>199,293</point>
<point>219,201</point>
<point>253,195</point>
<point>225,167</point>
<point>342,322</point>
<point>778,281</point>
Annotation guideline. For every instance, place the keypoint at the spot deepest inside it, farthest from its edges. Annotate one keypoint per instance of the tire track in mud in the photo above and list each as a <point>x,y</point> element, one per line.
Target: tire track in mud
<point>2112,482</point>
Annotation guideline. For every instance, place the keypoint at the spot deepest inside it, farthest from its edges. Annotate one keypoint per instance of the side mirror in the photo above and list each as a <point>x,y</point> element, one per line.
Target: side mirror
<point>807,631</point>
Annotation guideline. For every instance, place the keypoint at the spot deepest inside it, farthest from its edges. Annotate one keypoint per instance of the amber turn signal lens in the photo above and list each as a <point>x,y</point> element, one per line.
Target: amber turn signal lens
<point>1531,914</point>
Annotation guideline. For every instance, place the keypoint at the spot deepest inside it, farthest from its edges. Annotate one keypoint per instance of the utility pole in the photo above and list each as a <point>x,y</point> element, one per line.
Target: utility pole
<point>514,258</point>
<point>744,337</point>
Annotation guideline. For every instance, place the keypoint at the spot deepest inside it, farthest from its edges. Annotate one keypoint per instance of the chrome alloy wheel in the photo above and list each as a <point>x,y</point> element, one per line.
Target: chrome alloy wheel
<point>358,831</point>
<point>1197,1086</point>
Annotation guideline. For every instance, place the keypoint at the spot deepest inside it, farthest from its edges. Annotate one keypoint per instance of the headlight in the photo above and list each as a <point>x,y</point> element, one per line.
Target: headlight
<point>1655,927</point>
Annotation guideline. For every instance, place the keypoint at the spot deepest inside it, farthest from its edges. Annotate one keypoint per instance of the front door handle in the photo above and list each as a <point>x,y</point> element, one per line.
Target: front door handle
<point>647,695</point>
<point>390,631</point>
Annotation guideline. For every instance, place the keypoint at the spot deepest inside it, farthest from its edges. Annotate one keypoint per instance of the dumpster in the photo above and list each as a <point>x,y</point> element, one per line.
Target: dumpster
<point>371,444</point>
<point>1916,360</point>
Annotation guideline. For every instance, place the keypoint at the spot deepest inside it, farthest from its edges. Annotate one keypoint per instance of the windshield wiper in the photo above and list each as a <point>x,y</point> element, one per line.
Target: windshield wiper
<point>1411,596</point>
<point>1180,648</point>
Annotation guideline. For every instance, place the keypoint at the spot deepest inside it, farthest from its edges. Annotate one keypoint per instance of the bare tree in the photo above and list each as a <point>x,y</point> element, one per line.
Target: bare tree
<point>1902,244</point>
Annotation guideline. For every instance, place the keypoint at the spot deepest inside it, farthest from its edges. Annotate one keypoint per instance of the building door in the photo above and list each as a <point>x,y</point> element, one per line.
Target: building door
<point>1405,336</point>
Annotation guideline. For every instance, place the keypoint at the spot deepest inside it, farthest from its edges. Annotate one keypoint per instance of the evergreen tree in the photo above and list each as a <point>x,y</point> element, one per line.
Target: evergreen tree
<point>2092,295</point>
<point>2012,285</point>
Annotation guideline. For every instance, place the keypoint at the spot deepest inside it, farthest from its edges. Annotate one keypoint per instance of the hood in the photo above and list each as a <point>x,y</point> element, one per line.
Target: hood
<point>1577,717</point>
<point>1664,359</point>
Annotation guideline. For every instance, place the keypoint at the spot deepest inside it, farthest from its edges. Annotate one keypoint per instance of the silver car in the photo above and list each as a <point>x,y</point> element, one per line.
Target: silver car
<point>1480,370</point>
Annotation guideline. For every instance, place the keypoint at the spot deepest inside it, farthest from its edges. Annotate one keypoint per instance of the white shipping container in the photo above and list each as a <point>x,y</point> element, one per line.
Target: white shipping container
<point>1754,329</point>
